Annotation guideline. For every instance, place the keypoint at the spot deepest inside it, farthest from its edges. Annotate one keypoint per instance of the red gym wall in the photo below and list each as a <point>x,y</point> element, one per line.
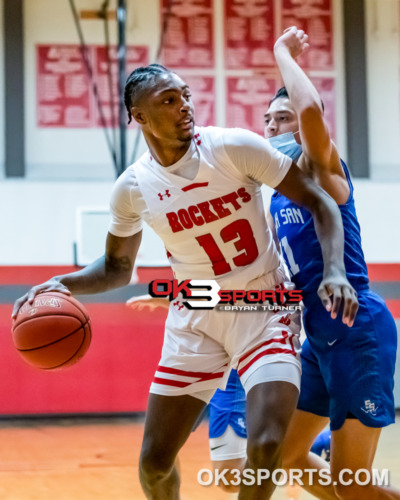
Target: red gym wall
<point>115,374</point>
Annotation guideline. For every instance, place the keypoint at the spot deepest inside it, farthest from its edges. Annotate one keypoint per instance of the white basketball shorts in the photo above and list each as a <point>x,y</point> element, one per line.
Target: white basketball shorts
<point>201,346</point>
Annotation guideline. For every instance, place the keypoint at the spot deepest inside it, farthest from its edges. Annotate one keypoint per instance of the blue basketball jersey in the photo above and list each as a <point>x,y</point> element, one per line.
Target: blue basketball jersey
<point>301,249</point>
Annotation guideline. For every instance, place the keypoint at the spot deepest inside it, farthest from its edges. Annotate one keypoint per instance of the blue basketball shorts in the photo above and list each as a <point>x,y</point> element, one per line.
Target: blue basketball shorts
<point>348,372</point>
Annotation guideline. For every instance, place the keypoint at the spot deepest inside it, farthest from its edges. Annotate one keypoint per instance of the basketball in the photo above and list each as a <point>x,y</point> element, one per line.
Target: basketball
<point>53,332</point>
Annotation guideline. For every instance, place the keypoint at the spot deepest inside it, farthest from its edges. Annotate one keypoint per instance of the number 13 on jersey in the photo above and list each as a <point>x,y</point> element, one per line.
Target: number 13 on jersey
<point>240,234</point>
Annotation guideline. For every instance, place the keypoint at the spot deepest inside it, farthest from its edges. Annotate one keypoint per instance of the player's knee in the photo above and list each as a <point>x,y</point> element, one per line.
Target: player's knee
<point>264,451</point>
<point>154,466</point>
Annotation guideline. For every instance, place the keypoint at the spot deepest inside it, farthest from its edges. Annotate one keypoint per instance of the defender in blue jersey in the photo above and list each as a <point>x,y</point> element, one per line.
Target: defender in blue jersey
<point>347,375</point>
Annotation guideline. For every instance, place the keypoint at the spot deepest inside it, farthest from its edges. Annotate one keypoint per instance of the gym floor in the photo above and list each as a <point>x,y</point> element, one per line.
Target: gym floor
<point>97,459</point>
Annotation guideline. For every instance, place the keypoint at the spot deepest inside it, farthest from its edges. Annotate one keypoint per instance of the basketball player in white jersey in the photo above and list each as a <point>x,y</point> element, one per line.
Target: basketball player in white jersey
<point>199,188</point>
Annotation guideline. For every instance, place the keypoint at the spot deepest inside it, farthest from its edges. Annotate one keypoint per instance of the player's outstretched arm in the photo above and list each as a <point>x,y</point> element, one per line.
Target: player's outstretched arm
<point>113,270</point>
<point>334,288</point>
<point>319,150</point>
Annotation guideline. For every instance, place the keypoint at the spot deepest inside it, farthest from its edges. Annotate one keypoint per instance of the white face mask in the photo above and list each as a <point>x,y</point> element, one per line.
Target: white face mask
<point>286,144</point>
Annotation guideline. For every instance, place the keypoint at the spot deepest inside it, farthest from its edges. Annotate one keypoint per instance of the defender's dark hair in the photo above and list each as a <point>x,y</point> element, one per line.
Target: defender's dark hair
<point>139,81</point>
<point>282,92</point>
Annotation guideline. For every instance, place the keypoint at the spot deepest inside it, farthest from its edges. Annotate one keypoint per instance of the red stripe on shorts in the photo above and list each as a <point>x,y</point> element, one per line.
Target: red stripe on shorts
<point>274,350</point>
<point>184,373</point>
<point>167,381</point>
<point>267,342</point>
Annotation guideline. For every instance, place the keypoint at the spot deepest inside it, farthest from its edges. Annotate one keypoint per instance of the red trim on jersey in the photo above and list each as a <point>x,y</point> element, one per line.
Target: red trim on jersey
<point>274,350</point>
<point>194,186</point>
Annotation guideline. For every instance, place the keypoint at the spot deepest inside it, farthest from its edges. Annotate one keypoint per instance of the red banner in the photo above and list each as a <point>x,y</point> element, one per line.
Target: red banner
<point>327,91</point>
<point>64,92</point>
<point>249,33</point>
<point>188,41</point>
<point>202,89</point>
<point>315,17</point>
<point>247,101</point>
<point>135,57</point>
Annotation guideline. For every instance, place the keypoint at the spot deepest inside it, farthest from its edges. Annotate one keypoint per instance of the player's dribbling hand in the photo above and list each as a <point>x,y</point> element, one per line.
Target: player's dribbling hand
<point>52,285</point>
<point>334,290</point>
<point>293,40</point>
<point>142,302</point>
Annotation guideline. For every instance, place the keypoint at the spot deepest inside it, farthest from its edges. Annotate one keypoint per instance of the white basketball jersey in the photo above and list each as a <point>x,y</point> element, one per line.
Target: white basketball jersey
<point>213,226</point>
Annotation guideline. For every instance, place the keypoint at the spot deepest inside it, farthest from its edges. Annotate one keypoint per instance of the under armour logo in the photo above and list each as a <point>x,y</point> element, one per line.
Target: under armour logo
<point>369,407</point>
<point>167,194</point>
<point>177,304</point>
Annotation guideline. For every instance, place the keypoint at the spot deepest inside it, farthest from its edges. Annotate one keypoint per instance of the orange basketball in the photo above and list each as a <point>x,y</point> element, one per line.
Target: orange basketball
<point>53,332</point>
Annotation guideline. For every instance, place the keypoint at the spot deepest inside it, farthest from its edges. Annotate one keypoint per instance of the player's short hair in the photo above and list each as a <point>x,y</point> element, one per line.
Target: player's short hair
<point>282,92</point>
<point>139,82</point>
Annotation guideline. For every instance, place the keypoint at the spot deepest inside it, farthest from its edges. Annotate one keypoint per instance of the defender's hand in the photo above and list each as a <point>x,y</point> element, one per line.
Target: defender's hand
<point>53,285</point>
<point>142,302</point>
<point>334,289</point>
<point>295,41</point>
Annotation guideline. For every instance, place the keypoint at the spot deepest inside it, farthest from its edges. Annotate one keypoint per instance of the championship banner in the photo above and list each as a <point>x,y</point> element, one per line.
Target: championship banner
<point>202,89</point>
<point>247,99</point>
<point>135,57</point>
<point>189,38</point>
<point>326,89</point>
<point>315,17</point>
<point>64,91</point>
<point>249,34</point>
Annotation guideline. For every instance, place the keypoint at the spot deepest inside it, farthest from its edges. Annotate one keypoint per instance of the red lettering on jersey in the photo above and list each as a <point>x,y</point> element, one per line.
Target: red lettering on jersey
<point>217,204</point>
<point>185,219</point>
<point>244,195</point>
<point>206,212</point>
<point>199,221</point>
<point>231,198</point>
<point>174,222</point>
<point>202,214</point>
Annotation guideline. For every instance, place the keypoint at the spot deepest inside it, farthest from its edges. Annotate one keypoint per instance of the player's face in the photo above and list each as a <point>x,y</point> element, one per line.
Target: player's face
<point>280,119</point>
<point>168,110</point>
